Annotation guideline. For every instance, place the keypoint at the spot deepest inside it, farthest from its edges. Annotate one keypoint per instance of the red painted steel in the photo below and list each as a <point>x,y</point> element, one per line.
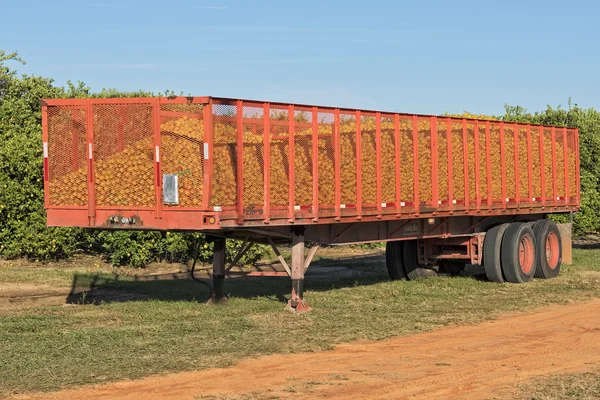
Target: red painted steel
<point>325,145</point>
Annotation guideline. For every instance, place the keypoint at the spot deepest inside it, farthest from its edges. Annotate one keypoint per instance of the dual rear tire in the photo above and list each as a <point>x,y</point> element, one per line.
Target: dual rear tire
<point>518,252</point>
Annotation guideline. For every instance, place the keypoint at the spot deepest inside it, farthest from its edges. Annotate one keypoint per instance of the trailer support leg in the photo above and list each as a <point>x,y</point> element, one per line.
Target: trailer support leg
<point>217,295</point>
<point>296,302</point>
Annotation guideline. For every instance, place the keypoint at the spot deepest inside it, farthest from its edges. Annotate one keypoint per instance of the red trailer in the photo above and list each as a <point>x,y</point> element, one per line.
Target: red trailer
<point>441,191</point>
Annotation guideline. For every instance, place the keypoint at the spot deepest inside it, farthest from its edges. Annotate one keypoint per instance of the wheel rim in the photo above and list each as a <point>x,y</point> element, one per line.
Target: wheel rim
<point>552,250</point>
<point>526,254</point>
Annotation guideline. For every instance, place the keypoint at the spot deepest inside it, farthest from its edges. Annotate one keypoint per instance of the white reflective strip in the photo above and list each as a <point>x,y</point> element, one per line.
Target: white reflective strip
<point>206,151</point>
<point>533,199</point>
<point>402,204</point>
<point>217,208</point>
<point>558,198</point>
<point>383,204</point>
<point>296,208</point>
<point>439,202</point>
<point>45,149</point>
<point>342,206</point>
<point>454,201</point>
<point>507,200</point>
<point>157,154</point>
<point>90,152</point>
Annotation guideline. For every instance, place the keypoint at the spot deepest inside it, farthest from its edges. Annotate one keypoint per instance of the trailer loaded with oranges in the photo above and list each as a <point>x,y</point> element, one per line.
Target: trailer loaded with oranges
<point>443,192</point>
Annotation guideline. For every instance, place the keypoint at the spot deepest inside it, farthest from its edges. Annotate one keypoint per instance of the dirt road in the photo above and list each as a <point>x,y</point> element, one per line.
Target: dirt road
<point>466,362</point>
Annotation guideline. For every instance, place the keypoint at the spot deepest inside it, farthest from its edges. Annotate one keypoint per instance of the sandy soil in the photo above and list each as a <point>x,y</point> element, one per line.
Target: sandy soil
<point>465,362</point>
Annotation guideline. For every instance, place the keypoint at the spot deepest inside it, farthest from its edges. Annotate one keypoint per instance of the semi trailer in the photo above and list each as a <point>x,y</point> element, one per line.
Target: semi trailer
<point>442,191</point>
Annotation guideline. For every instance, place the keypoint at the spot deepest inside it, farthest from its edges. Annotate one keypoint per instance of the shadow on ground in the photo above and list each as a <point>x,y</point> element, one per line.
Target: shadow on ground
<point>326,274</point>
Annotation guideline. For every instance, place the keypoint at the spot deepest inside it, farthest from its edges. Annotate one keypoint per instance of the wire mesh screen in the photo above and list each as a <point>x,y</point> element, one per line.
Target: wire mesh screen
<point>253,164</point>
<point>482,154</point>
<point>458,167</point>
<point>388,160</point>
<point>509,157</point>
<point>326,158</point>
<point>472,188</point>
<point>442,138</point>
<point>406,161</point>
<point>368,160</point>
<point>549,181</point>
<point>67,156</point>
<point>182,150</point>
<point>348,158</point>
<point>536,176</point>
<point>496,162</point>
<point>424,158</point>
<point>524,158</point>
<point>572,164</point>
<point>560,164</point>
<point>279,152</point>
<point>224,181</point>
<point>303,159</point>
<point>123,155</point>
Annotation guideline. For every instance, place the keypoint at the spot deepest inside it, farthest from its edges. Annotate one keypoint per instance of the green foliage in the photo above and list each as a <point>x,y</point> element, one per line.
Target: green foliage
<point>587,220</point>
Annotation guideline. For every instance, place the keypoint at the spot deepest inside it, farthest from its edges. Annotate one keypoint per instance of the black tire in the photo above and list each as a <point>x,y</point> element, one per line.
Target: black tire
<point>413,269</point>
<point>452,267</point>
<point>492,244</point>
<point>548,249</point>
<point>518,253</point>
<point>394,260</point>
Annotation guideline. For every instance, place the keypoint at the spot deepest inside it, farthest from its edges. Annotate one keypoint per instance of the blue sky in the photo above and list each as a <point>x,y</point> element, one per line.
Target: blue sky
<point>411,56</point>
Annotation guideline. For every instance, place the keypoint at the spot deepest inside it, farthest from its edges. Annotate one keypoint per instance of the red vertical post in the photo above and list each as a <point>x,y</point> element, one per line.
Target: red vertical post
<point>315,162</point>
<point>292,165</point>
<point>267,162</point>
<point>358,142</point>
<point>465,162</point>
<point>207,116</point>
<point>488,163</point>
<point>517,180</point>
<point>398,160</point>
<point>529,164</point>
<point>45,152</point>
<point>378,162</point>
<point>566,164</point>
<point>450,178</point>
<point>337,163</point>
<point>577,166</point>
<point>542,167</point>
<point>157,168</point>
<point>554,172</point>
<point>477,172</point>
<point>503,164</point>
<point>434,163</point>
<point>240,161</point>
<point>89,128</point>
<point>415,134</point>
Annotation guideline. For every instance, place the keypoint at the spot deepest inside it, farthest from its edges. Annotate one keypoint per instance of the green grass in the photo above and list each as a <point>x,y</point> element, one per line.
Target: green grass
<point>575,386</point>
<point>170,329</point>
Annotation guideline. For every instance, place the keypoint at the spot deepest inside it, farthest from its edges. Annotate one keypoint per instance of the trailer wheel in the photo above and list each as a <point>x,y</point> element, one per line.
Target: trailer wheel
<point>548,249</point>
<point>491,253</point>
<point>414,270</point>
<point>394,260</point>
<point>518,253</point>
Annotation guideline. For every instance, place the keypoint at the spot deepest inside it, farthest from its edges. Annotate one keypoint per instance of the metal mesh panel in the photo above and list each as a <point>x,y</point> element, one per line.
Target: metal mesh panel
<point>123,155</point>
<point>458,171</point>
<point>279,157</point>
<point>560,163</point>
<point>406,161</point>
<point>548,164</point>
<point>303,178</point>
<point>536,176</point>
<point>442,137</point>
<point>182,150</point>
<point>496,162</point>
<point>67,156</point>
<point>471,162</point>
<point>483,181</point>
<point>572,156</point>
<point>509,157</point>
<point>253,165</point>
<point>368,160</point>
<point>424,153</point>
<point>224,182</point>
<point>388,160</point>
<point>348,158</point>
<point>326,159</point>
<point>523,163</point>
